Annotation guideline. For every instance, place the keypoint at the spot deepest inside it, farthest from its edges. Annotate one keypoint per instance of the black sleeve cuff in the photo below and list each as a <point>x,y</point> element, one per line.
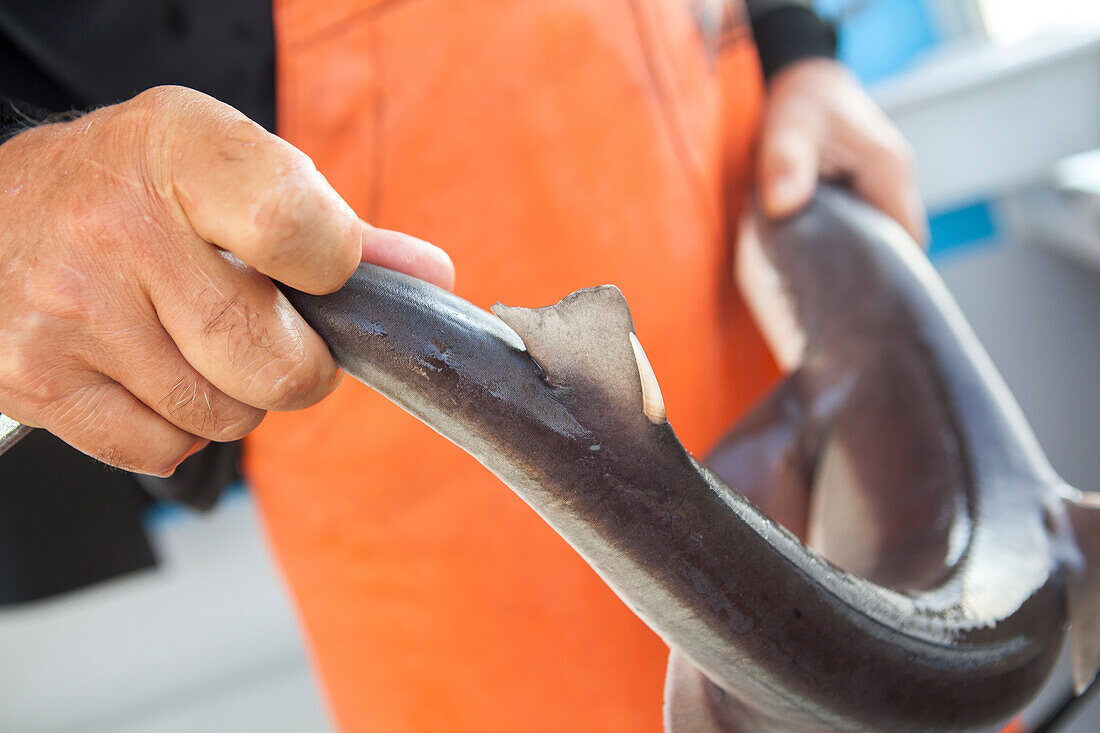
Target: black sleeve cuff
<point>790,33</point>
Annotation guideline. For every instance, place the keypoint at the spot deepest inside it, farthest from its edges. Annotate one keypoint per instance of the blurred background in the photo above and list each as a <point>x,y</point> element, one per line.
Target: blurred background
<point>1000,99</point>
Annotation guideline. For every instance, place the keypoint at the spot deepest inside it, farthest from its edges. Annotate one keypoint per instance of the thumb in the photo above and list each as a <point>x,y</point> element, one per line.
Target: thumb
<point>788,169</point>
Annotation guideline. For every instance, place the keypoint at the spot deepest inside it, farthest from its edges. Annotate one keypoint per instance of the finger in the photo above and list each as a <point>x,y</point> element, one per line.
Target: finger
<point>885,178</point>
<point>913,217</point>
<point>146,361</point>
<point>236,329</point>
<point>407,254</point>
<point>789,160</point>
<point>249,192</point>
<point>101,418</point>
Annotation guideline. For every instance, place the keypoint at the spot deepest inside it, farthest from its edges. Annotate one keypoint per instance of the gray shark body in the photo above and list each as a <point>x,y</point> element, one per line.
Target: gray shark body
<point>894,435</point>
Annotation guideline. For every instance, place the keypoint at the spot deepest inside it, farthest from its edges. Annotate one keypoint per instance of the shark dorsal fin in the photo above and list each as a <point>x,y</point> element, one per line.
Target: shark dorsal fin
<point>586,343</point>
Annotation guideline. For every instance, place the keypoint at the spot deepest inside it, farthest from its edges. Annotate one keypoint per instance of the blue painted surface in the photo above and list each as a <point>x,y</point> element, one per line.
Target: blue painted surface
<point>163,513</point>
<point>962,228</point>
<point>879,38</point>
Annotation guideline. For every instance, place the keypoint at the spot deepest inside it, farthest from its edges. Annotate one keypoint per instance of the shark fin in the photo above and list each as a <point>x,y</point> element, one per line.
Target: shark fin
<point>586,342</point>
<point>765,455</point>
<point>692,702</point>
<point>1083,511</point>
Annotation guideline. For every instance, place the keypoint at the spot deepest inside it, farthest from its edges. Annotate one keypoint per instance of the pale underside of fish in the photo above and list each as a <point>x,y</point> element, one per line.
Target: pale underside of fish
<point>943,557</point>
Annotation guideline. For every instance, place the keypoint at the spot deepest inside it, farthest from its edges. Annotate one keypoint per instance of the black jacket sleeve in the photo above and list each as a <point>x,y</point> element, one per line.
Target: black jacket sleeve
<point>787,31</point>
<point>62,55</point>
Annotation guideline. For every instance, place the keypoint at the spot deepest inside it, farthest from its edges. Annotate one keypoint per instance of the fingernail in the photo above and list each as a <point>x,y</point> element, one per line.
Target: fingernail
<point>444,268</point>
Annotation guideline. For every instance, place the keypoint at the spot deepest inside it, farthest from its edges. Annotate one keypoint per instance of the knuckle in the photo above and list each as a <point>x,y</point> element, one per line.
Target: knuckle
<point>146,110</point>
<point>201,409</point>
<point>297,382</point>
<point>278,220</point>
<point>77,415</point>
<point>347,251</point>
<point>16,357</point>
<point>158,463</point>
<point>44,395</point>
<point>60,293</point>
<point>274,368</point>
<point>243,140</point>
<point>233,321</point>
<point>153,459</point>
<point>121,192</point>
<point>112,456</point>
<point>301,228</point>
<point>236,127</point>
<point>41,389</point>
<point>166,100</point>
<point>40,341</point>
<point>237,426</point>
<point>162,96</point>
<point>85,415</point>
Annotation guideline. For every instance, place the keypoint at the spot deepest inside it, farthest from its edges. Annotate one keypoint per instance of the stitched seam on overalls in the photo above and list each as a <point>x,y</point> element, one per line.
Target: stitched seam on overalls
<point>374,202</point>
<point>672,117</point>
<point>339,27</point>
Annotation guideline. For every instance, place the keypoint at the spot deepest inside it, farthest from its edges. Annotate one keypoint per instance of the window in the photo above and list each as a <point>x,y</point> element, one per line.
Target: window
<point>1013,20</point>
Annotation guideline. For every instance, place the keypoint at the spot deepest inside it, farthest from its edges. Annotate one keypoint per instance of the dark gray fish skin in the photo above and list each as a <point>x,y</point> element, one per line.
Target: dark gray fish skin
<point>945,494</point>
<point>795,642</point>
<point>886,349</point>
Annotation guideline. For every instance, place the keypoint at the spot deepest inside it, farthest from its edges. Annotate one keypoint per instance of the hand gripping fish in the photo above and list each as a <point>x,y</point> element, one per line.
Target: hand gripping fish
<point>948,555</point>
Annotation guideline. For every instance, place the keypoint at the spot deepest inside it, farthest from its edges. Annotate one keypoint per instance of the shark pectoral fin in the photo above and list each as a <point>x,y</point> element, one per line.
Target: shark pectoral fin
<point>1083,594</point>
<point>586,344</point>
<point>765,458</point>
<point>689,704</point>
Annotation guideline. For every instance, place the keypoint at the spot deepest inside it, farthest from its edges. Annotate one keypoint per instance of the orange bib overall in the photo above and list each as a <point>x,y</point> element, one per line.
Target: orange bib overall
<point>548,145</point>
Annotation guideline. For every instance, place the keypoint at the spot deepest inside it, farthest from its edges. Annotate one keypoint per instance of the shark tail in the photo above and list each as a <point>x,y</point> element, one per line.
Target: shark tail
<point>1083,595</point>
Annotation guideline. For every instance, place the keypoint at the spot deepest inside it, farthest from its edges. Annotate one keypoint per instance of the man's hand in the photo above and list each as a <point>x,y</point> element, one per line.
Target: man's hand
<point>137,320</point>
<point>819,123</point>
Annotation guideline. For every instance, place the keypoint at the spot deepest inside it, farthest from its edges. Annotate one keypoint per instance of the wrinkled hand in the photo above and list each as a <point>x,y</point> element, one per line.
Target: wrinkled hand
<point>819,123</point>
<point>137,320</point>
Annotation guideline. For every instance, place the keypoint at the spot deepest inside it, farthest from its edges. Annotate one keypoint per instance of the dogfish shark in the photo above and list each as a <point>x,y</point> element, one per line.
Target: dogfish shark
<point>945,556</point>
<point>932,561</point>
